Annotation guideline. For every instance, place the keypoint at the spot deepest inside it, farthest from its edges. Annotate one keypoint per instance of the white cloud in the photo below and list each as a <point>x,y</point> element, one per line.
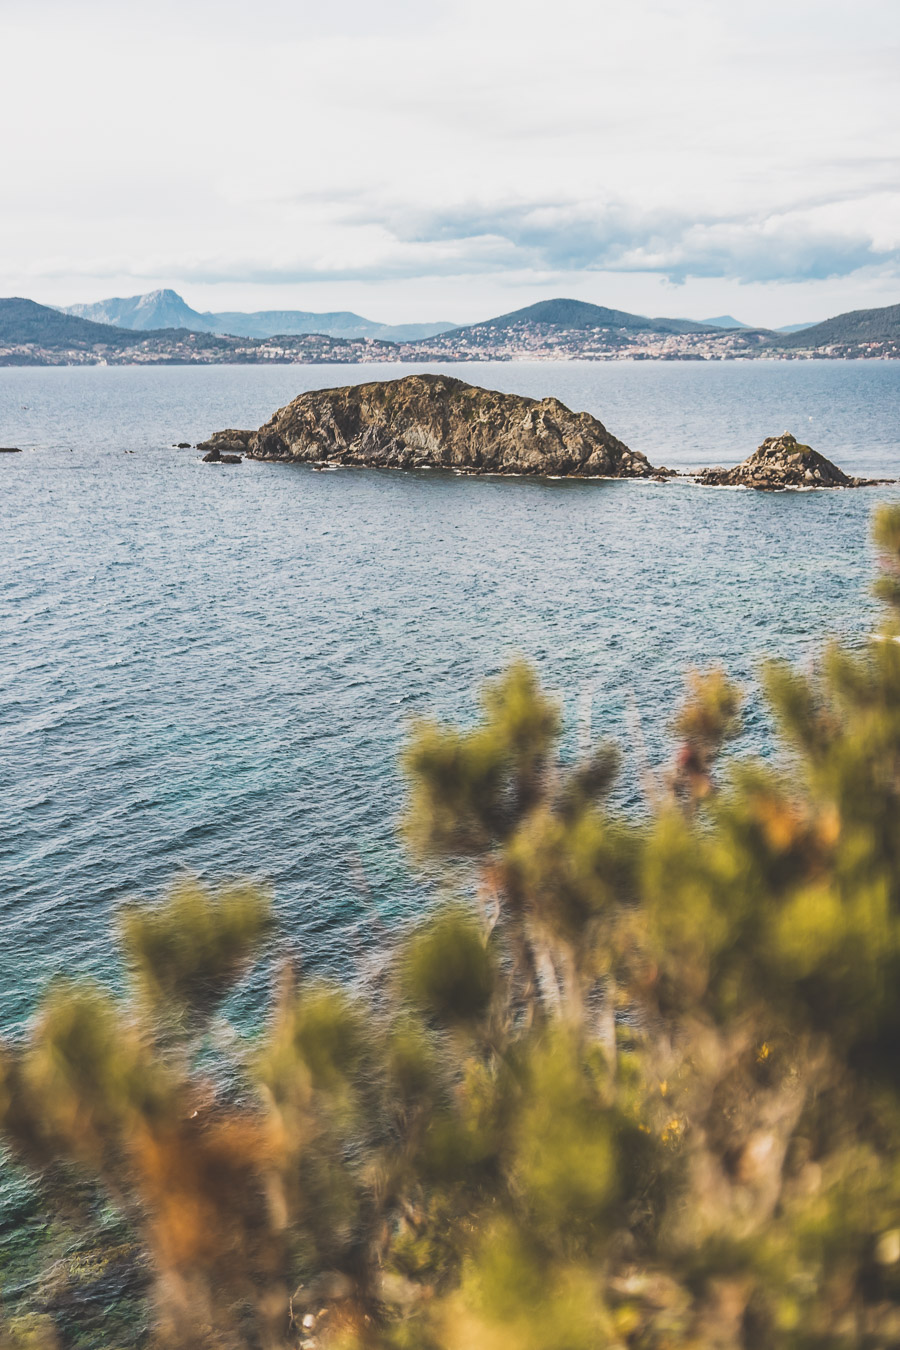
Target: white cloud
<point>435,156</point>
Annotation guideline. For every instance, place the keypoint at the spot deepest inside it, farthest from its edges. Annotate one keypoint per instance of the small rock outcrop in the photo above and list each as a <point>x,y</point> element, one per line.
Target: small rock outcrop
<point>781,462</point>
<point>214,455</point>
<point>434,421</point>
<point>10,450</point>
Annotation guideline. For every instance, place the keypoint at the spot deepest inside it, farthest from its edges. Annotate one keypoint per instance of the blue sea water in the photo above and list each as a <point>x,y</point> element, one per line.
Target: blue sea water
<point>212,670</point>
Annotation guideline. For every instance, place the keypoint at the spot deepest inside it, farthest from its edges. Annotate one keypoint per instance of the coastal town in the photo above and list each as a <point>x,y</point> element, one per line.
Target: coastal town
<point>549,342</point>
<point>177,347</point>
<point>316,349</point>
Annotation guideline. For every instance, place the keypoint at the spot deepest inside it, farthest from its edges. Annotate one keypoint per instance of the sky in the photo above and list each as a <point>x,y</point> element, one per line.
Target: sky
<point>449,162</point>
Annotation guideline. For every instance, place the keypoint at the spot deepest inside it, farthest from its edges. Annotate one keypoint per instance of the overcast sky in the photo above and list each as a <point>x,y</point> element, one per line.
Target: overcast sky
<point>456,160</point>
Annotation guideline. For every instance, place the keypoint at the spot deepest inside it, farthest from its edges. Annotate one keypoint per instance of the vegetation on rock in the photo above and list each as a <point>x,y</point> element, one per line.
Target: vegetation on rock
<point>640,1089</point>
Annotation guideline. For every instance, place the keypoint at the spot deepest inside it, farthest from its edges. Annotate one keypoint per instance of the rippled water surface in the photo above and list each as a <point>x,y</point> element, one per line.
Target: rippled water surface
<point>212,669</point>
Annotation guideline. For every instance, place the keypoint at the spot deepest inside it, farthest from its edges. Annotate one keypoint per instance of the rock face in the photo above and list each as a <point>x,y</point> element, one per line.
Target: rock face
<point>433,421</point>
<point>780,462</point>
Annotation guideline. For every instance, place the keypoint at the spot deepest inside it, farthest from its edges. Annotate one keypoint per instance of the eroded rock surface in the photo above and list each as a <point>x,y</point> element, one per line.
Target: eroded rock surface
<point>434,421</point>
<point>780,462</point>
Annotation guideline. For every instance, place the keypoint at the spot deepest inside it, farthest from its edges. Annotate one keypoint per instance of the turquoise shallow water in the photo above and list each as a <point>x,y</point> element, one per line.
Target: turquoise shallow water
<point>212,670</point>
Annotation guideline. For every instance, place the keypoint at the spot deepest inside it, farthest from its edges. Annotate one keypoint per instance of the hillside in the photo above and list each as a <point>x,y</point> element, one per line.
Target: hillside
<point>578,314</point>
<point>565,329</point>
<point>850,329</point>
<point>24,321</point>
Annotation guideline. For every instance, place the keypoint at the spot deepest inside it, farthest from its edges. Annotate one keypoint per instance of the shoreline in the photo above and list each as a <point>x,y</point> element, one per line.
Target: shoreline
<point>457,359</point>
<point>676,476</point>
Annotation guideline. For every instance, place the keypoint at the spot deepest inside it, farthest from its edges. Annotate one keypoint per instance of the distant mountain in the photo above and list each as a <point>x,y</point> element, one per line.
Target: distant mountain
<point>794,327</point>
<point>726,321</point>
<point>166,309</point>
<point>857,326</point>
<point>143,313</point>
<point>578,314</point>
<point>338,323</point>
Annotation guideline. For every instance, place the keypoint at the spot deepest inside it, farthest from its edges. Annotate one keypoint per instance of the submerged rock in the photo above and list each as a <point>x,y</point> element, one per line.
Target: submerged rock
<point>434,421</point>
<point>780,462</point>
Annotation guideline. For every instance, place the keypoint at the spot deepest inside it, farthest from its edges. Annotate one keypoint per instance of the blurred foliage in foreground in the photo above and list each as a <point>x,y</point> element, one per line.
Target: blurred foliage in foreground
<point>643,1093</point>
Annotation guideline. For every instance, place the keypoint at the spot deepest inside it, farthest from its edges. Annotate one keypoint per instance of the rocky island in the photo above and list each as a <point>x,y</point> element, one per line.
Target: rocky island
<point>438,422</point>
<point>782,462</point>
<point>433,421</point>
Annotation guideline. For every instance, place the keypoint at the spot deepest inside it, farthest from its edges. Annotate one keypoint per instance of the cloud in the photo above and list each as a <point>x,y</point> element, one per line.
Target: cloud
<point>366,243</point>
<point>826,239</point>
<point>499,141</point>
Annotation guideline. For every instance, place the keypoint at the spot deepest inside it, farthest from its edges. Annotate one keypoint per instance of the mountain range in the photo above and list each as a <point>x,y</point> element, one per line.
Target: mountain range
<point>166,309</point>
<point>729,321</point>
<point>562,328</point>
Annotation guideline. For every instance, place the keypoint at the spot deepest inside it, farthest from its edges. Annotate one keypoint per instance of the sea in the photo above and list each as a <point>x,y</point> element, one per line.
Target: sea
<point>211,671</point>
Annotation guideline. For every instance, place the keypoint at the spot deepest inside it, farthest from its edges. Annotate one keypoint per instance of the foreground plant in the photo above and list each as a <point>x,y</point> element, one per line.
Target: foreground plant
<point>641,1090</point>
